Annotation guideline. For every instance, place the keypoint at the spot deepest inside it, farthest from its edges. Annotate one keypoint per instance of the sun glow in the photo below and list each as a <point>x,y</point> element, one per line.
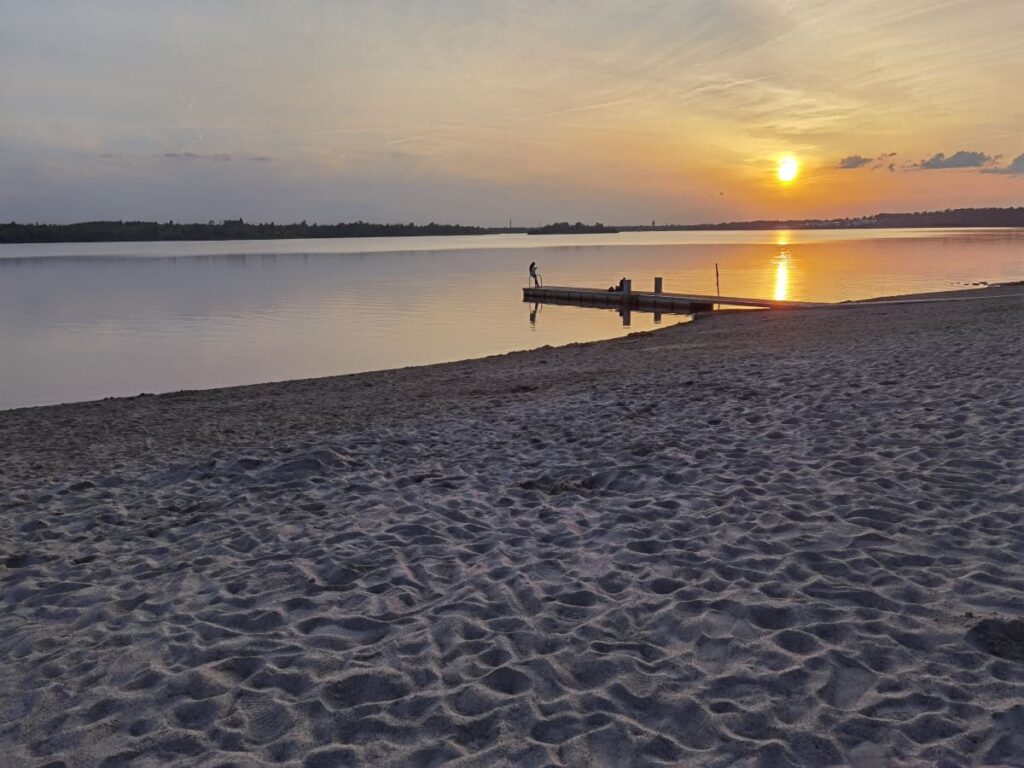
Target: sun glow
<point>788,169</point>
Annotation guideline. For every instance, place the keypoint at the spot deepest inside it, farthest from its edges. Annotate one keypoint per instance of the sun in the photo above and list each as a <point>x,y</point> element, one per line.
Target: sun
<point>788,169</point>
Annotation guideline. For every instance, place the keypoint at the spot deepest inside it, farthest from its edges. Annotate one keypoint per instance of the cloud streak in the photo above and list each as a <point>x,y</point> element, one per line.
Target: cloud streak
<point>218,157</point>
<point>1015,168</point>
<point>853,161</point>
<point>980,161</point>
<point>962,159</point>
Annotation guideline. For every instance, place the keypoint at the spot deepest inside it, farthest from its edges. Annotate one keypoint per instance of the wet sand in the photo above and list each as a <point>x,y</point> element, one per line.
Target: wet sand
<point>758,539</point>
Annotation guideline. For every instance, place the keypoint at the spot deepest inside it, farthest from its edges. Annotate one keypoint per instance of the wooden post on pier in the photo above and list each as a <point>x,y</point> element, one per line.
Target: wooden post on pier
<point>657,285</point>
<point>627,287</point>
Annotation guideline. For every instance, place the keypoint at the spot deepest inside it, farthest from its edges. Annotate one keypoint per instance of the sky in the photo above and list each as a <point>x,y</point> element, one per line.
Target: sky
<point>482,111</point>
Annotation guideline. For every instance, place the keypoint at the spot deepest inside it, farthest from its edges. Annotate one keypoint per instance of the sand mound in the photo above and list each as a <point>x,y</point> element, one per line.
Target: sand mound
<point>1004,639</point>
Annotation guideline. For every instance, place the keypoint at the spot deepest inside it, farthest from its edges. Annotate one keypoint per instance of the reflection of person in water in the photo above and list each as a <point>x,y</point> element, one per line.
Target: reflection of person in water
<point>533,314</point>
<point>533,274</point>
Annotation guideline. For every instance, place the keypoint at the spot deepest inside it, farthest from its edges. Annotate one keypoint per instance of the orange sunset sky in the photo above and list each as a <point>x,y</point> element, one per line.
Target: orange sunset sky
<point>477,112</point>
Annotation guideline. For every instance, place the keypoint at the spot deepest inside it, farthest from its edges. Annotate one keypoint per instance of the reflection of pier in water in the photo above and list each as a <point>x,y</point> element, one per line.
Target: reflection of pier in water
<point>626,300</point>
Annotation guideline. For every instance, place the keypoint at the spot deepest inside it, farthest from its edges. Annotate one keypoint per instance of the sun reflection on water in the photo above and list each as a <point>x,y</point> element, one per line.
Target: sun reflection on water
<point>782,276</point>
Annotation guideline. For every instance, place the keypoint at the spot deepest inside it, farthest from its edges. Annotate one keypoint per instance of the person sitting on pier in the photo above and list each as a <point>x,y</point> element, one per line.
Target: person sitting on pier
<point>533,274</point>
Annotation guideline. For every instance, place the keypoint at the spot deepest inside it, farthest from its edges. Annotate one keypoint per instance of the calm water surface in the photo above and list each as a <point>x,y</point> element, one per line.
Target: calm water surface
<point>84,321</point>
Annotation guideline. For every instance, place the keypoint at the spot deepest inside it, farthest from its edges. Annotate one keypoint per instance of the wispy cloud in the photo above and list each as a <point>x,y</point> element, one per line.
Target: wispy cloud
<point>882,162</point>
<point>853,161</point>
<point>219,157</point>
<point>1015,168</point>
<point>961,159</point>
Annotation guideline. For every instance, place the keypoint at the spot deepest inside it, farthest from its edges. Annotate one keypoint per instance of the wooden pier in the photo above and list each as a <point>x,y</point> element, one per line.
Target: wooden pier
<point>657,301</point>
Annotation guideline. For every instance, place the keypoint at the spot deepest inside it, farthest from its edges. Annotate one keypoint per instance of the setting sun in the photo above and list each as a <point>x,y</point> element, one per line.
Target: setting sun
<point>788,169</point>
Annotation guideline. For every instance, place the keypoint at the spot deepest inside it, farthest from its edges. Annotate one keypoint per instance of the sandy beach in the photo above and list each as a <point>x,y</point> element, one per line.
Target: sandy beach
<point>759,539</point>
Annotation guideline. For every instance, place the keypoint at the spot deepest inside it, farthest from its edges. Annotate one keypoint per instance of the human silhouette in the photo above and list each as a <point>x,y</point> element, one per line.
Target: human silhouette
<point>533,274</point>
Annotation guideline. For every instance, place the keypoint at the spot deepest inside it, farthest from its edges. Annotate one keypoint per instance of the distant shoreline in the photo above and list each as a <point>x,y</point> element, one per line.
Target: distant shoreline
<point>238,229</point>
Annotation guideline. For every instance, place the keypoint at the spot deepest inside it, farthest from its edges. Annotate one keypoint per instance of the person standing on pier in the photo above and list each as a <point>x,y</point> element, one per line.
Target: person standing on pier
<point>533,274</point>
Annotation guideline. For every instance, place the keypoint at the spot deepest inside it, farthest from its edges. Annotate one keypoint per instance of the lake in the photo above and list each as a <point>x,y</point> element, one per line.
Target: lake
<point>81,321</point>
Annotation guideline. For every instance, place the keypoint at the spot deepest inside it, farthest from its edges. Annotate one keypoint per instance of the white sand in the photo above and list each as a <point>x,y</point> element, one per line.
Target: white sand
<point>771,539</point>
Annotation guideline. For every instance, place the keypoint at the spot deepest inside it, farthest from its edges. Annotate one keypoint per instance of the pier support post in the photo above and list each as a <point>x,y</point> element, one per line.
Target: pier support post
<point>657,285</point>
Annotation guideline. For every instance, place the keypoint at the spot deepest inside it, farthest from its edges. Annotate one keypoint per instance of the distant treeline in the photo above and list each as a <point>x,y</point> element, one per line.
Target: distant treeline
<point>237,229</point>
<point>231,229</point>
<point>951,217</point>
<point>565,228</point>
